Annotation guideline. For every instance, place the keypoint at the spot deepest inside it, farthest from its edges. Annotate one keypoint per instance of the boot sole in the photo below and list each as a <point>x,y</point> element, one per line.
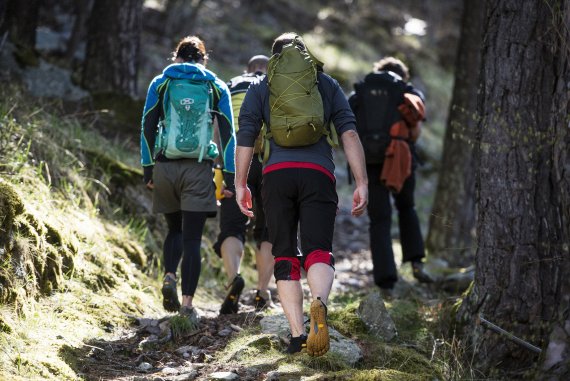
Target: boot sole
<point>318,342</point>
<point>170,299</point>
<point>230,304</point>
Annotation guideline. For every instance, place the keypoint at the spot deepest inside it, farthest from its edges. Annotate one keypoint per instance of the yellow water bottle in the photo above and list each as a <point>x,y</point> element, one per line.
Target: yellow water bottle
<point>218,180</point>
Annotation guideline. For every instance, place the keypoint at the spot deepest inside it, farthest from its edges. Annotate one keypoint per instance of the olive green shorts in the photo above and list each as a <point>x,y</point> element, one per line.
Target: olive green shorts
<point>183,185</point>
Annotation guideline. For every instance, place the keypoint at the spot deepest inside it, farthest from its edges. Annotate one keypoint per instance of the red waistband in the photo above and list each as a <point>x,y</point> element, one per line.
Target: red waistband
<point>298,164</point>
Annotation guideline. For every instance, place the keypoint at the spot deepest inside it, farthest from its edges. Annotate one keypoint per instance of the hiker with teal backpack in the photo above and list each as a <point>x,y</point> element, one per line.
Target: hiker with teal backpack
<point>302,111</point>
<point>388,112</point>
<point>177,153</point>
<point>233,223</point>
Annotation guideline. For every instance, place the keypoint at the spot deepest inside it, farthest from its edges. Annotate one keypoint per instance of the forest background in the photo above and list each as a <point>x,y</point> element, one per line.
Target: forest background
<point>493,193</point>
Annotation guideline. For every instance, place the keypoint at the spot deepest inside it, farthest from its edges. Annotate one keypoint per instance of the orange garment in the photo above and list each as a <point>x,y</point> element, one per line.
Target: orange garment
<point>413,111</point>
<point>398,158</point>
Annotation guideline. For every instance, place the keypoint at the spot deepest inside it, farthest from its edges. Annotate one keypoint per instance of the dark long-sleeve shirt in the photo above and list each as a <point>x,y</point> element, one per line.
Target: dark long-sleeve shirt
<point>255,111</point>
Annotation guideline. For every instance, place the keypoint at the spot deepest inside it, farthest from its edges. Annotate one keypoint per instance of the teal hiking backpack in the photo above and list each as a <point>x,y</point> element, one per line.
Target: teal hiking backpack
<point>187,127</point>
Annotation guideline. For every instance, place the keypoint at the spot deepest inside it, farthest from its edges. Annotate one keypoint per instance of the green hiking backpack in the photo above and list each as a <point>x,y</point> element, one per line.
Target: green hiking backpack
<point>187,127</point>
<point>295,103</point>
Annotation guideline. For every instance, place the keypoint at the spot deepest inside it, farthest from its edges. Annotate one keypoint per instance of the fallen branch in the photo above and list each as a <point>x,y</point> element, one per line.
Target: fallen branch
<point>495,328</point>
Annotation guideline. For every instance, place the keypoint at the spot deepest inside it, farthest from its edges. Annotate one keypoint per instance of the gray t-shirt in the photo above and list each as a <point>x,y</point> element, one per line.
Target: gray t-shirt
<point>255,111</point>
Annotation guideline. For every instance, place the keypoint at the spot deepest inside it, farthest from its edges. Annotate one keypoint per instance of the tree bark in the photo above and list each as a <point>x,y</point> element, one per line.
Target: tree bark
<point>452,220</point>
<point>82,10</point>
<point>20,20</point>
<point>523,227</point>
<point>113,44</point>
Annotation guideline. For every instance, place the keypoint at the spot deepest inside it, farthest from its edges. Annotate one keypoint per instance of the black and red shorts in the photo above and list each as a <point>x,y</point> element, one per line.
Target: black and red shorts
<point>300,203</point>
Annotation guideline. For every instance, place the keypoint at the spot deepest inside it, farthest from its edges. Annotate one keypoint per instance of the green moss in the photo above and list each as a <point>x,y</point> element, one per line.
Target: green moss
<point>4,326</point>
<point>410,323</point>
<point>10,207</point>
<point>377,375</point>
<point>346,321</point>
<point>123,113</point>
<point>401,359</point>
<point>328,362</point>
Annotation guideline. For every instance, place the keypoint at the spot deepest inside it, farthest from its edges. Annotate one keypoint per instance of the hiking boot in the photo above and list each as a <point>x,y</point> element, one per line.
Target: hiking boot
<point>191,314</point>
<point>169,294</point>
<point>318,339</point>
<point>387,293</point>
<point>420,273</point>
<point>230,304</point>
<point>296,344</point>
<point>260,302</point>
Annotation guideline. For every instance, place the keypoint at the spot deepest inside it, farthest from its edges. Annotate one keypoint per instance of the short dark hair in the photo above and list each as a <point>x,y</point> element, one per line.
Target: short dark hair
<point>394,65</point>
<point>257,63</point>
<point>191,49</point>
<point>284,39</point>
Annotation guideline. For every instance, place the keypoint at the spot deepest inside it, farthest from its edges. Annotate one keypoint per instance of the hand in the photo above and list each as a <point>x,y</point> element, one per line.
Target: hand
<point>243,199</point>
<point>359,200</point>
<point>227,193</point>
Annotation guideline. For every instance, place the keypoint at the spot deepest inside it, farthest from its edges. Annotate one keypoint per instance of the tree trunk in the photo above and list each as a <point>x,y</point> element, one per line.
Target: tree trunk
<point>20,20</point>
<point>523,227</point>
<point>452,219</point>
<point>181,17</point>
<point>113,42</point>
<point>82,10</point>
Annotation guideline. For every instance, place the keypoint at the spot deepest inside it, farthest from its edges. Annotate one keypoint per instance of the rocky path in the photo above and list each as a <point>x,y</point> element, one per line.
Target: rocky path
<point>152,350</point>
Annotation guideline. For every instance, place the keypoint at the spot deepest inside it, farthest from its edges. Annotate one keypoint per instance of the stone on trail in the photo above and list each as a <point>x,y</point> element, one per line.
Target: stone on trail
<point>344,347</point>
<point>144,366</point>
<point>223,376</point>
<point>376,318</point>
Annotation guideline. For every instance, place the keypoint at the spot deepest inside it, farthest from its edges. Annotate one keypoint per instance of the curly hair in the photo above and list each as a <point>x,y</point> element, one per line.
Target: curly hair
<point>394,65</point>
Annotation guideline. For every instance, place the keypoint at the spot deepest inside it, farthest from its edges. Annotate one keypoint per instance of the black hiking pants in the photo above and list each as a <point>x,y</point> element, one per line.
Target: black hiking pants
<point>380,213</point>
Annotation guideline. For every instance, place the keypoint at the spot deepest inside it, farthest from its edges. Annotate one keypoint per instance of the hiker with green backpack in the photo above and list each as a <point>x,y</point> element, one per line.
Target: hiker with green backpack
<point>233,224</point>
<point>302,111</point>
<point>177,153</point>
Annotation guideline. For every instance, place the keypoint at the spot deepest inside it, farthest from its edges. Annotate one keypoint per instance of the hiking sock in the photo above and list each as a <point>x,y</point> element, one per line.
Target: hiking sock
<point>318,341</point>
<point>297,344</point>
<point>230,304</point>
<point>170,300</point>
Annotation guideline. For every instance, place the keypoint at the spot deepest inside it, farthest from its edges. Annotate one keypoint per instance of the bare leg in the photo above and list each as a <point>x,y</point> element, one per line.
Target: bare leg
<point>291,296</point>
<point>264,261</point>
<point>187,300</point>
<point>232,252</point>
<point>320,278</point>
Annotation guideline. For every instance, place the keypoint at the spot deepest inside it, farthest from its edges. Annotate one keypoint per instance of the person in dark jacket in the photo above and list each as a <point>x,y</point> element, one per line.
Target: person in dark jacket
<point>183,189</point>
<point>234,224</point>
<point>393,71</point>
<point>299,190</point>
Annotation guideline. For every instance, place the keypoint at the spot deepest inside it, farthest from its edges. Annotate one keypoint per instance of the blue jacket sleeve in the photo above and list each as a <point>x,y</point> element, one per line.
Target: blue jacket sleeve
<point>225,118</point>
<point>149,124</point>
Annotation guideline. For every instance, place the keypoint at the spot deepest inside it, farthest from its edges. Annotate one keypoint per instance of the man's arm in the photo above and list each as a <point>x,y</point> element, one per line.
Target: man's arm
<point>243,194</point>
<point>355,156</point>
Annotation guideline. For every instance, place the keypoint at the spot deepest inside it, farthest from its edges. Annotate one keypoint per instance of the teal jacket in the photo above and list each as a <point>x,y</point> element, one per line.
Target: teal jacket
<point>222,109</point>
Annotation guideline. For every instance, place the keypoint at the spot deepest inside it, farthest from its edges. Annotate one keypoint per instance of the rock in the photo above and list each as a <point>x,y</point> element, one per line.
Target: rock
<point>346,348</point>
<point>185,376</point>
<point>51,81</point>
<point>169,371</point>
<point>225,332</point>
<point>223,376</point>
<point>144,366</point>
<point>236,328</point>
<point>186,349</point>
<point>458,282</point>
<point>376,318</point>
